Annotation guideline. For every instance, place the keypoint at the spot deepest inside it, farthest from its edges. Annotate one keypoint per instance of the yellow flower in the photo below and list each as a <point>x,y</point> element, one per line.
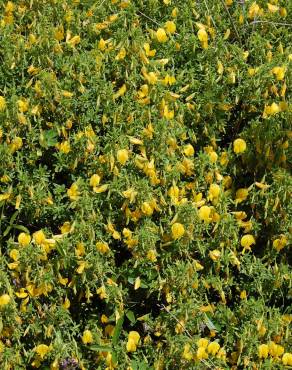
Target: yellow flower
<point>203,342</point>
<point>187,354</point>
<point>279,72</point>
<point>122,156</point>
<point>73,192</point>
<point>94,180</point>
<point>254,10</point>
<point>161,35</point>
<point>214,191</point>
<point>137,283</point>
<point>39,237</point>
<point>122,90</point>
<point>287,359</point>
<point>280,243</point>
<point>4,299</point>
<point>42,350</point>
<point>189,150</point>
<point>102,247</point>
<point>170,27</point>
<point>204,213</point>
<point>87,337</point>
<point>213,348</point>
<point>272,8</point>
<point>203,37</point>
<point>121,54</point>
<point>213,156</point>
<point>24,239</point>
<point>243,294</point>
<point>152,255</point>
<point>133,340</point>
<point>64,147</point>
<point>16,144</point>
<point>247,240</point>
<point>14,254</point>
<point>241,195</point>
<point>2,103</point>
<point>263,351</point>
<point>201,353</point>
<point>177,230</point>
<point>149,53</point>
<point>146,209</point>
<point>239,146</point>
<point>215,255</point>
<point>22,105</point>
<point>270,110</point>
<point>73,41</point>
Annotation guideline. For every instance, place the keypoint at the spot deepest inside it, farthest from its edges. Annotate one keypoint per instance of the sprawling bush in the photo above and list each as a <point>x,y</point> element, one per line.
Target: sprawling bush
<point>144,184</point>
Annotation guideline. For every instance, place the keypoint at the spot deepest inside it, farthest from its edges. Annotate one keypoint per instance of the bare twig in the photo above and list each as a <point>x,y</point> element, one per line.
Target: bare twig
<point>231,20</point>
<point>152,20</point>
<point>208,10</point>
<point>273,23</point>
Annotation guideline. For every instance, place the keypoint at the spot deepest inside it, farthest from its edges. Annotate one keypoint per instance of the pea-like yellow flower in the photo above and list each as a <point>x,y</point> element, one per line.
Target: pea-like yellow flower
<point>203,37</point>
<point>4,299</point>
<point>214,191</point>
<point>73,192</point>
<point>152,255</point>
<point>273,8</point>
<point>203,342</point>
<point>170,27</point>
<point>213,348</point>
<point>94,180</point>
<point>161,35</point>
<point>263,351</point>
<point>2,103</point>
<point>239,146</point>
<point>122,156</point>
<point>147,209</point>
<point>137,283</point>
<point>42,350</point>
<point>280,243</point>
<point>189,150</point>
<point>39,237</point>
<point>201,353</point>
<point>287,359</point>
<point>247,240</point>
<point>87,337</point>
<point>279,72</point>
<point>215,255</point>
<point>102,247</point>
<point>204,213</point>
<point>177,230</point>
<point>241,195</point>
<point>133,340</point>
<point>187,354</point>
<point>64,147</point>
<point>24,239</point>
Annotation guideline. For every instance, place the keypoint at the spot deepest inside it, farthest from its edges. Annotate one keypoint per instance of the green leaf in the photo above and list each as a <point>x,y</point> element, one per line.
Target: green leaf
<point>130,315</point>
<point>118,330</point>
<point>51,137</point>
<point>98,348</point>
<point>21,228</point>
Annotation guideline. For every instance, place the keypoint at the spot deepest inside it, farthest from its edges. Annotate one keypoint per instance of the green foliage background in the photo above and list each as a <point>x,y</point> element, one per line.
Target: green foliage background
<point>61,122</point>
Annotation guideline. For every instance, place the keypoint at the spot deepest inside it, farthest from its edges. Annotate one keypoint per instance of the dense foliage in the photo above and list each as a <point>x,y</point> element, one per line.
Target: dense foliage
<point>144,184</point>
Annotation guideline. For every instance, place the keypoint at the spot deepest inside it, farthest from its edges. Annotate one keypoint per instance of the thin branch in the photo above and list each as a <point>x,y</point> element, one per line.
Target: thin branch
<point>229,15</point>
<point>273,23</point>
<point>208,10</point>
<point>152,20</point>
